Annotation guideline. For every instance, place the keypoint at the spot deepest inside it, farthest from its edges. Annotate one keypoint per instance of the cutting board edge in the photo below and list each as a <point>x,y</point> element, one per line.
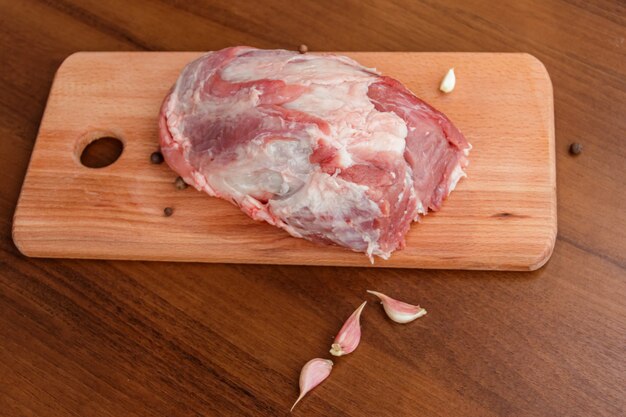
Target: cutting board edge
<point>530,263</point>
<point>512,267</point>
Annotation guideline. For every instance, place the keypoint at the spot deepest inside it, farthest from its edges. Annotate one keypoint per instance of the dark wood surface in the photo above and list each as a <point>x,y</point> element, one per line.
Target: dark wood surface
<point>96,338</point>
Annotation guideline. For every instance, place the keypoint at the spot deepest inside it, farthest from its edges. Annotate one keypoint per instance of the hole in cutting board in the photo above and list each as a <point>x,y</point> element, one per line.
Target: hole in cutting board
<point>101,152</point>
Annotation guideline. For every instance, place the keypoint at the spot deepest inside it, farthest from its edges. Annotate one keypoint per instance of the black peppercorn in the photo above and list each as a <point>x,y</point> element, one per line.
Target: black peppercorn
<point>156,158</point>
<point>180,183</point>
<point>168,211</point>
<point>575,148</point>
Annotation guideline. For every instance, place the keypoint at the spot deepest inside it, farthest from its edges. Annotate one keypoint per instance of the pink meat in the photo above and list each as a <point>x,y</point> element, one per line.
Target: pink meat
<point>318,145</point>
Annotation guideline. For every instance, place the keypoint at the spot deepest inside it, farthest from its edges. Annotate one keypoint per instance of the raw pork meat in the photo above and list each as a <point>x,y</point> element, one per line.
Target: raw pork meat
<point>318,145</point>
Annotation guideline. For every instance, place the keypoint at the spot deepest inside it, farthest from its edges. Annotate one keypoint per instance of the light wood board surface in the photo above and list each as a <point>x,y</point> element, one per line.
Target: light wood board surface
<point>503,216</point>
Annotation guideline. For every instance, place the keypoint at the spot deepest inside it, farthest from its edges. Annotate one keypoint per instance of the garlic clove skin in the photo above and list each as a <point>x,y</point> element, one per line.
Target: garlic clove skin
<point>313,373</point>
<point>349,336</point>
<point>448,82</point>
<point>399,311</point>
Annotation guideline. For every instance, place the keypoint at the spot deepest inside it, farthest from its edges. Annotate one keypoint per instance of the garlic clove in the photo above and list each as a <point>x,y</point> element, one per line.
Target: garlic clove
<point>312,374</point>
<point>399,311</point>
<point>448,82</point>
<point>349,336</point>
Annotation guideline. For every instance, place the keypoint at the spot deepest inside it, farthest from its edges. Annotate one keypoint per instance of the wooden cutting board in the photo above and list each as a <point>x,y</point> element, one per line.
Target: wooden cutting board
<point>503,216</point>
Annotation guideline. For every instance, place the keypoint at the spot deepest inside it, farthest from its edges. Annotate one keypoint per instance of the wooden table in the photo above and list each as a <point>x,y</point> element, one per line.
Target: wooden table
<point>95,338</point>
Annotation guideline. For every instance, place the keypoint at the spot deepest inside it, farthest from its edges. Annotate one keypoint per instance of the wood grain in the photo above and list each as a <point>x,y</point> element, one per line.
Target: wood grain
<point>124,338</point>
<point>502,217</point>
